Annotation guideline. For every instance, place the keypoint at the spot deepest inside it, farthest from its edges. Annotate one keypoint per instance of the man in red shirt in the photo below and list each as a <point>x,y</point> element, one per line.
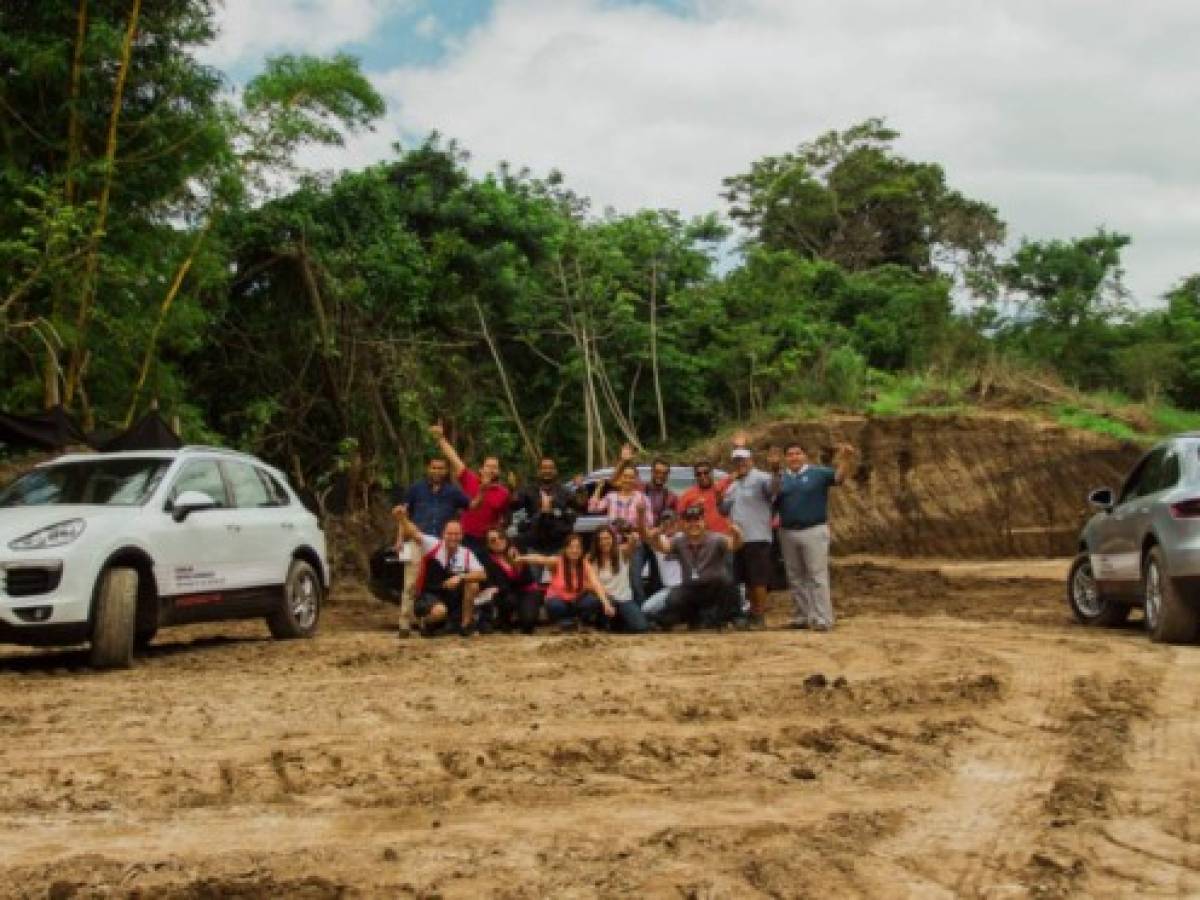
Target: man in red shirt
<point>706,494</point>
<point>489,498</point>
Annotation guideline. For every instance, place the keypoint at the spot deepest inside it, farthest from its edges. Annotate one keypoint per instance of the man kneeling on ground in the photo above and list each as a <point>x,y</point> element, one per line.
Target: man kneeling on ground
<point>448,580</point>
<point>707,596</point>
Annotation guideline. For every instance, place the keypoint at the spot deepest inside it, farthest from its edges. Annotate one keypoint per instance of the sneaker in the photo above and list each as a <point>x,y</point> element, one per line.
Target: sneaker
<point>466,631</point>
<point>568,626</point>
<point>822,628</point>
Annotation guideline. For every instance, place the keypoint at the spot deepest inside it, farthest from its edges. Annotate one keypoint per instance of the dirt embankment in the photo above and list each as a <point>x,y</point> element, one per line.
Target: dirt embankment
<point>977,485</point>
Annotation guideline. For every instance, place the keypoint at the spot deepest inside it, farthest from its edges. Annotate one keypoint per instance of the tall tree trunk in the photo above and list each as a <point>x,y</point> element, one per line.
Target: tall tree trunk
<point>585,345</point>
<point>313,291</point>
<point>92,261</point>
<point>51,365</point>
<point>74,136</point>
<point>163,309</point>
<point>530,448</point>
<point>658,397</point>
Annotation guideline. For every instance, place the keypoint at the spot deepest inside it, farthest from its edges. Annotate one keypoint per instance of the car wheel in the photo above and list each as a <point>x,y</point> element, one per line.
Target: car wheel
<point>300,609</point>
<point>113,619</point>
<point>1169,618</point>
<point>1087,603</point>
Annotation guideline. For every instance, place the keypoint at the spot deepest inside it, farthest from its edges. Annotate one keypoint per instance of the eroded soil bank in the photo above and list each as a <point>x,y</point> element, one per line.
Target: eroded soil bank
<point>956,736</point>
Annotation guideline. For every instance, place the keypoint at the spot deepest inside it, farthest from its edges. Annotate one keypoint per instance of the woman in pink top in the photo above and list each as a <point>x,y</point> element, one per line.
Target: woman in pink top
<point>574,595</point>
<point>626,503</point>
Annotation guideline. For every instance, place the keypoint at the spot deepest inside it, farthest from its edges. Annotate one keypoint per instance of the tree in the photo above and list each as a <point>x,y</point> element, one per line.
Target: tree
<point>849,198</point>
<point>1067,296</point>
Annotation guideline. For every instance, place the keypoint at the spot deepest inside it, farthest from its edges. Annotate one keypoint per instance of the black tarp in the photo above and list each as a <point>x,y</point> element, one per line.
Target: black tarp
<point>149,432</point>
<point>55,429</point>
<point>52,430</point>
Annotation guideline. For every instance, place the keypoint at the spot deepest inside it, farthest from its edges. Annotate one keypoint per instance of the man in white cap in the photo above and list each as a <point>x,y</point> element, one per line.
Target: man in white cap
<point>747,498</point>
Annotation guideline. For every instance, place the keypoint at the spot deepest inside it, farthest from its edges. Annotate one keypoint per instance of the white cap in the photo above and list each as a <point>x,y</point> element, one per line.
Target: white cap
<point>742,453</point>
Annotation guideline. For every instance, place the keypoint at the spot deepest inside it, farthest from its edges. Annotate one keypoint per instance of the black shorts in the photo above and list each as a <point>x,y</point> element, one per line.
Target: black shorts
<point>427,601</point>
<point>752,564</point>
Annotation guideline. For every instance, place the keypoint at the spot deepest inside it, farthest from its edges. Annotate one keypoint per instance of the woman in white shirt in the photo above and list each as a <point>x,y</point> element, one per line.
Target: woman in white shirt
<point>610,561</point>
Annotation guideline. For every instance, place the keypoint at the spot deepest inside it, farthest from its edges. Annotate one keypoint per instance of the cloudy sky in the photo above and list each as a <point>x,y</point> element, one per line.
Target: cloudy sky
<point>1066,115</point>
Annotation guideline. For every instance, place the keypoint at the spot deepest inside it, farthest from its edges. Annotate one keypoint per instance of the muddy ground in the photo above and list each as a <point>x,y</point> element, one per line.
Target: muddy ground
<point>956,736</point>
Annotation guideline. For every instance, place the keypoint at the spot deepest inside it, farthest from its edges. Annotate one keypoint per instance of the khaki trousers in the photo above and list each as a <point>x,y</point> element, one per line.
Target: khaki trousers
<point>806,559</point>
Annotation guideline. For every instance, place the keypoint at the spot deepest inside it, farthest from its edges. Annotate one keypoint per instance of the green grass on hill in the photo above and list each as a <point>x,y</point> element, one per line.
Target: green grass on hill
<point>1088,420</point>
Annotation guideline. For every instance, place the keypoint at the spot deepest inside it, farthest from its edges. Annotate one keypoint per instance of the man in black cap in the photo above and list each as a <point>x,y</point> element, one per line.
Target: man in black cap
<point>706,595</point>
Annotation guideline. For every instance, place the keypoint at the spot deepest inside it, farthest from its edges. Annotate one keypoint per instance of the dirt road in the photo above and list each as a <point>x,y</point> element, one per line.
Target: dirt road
<point>956,736</point>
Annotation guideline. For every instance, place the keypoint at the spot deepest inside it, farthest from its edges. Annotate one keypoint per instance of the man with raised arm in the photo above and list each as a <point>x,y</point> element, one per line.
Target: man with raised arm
<point>489,499</point>
<point>802,490</point>
<point>430,504</point>
<point>447,582</point>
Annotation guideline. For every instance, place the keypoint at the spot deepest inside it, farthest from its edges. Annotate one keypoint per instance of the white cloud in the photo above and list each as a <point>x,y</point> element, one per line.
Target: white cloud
<point>1066,115</point>
<point>250,29</point>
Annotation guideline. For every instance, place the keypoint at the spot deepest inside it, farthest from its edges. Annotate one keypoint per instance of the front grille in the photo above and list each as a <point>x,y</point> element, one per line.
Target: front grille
<point>29,581</point>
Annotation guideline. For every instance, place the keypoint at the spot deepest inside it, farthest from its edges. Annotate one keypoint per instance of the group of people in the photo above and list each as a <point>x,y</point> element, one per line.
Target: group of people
<point>660,559</point>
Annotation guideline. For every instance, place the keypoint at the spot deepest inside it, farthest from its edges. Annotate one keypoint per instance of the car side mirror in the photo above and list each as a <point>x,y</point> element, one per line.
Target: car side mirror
<point>189,502</point>
<point>1101,498</point>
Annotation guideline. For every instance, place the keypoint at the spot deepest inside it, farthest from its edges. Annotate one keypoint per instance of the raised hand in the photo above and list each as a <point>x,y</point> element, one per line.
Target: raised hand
<point>740,438</point>
<point>627,451</point>
<point>437,431</point>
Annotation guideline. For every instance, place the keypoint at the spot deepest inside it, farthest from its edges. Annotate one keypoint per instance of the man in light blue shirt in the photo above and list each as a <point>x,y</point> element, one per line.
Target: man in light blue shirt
<point>747,498</point>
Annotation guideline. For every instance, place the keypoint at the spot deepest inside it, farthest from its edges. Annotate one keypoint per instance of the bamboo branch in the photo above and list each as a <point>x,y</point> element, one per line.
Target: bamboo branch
<point>530,448</point>
<point>164,308</point>
<point>92,264</point>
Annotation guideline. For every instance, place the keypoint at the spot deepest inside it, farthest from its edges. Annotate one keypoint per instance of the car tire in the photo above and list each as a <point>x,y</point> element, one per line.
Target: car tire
<point>300,607</point>
<point>1089,606</point>
<point>1169,617</point>
<point>113,616</point>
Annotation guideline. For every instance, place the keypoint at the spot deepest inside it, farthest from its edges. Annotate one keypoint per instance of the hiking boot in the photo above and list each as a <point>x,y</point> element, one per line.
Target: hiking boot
<point>756,622</point>
<point>405,631</point>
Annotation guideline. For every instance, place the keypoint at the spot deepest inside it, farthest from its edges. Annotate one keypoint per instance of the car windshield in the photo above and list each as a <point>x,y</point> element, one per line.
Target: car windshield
<point>98,482</point>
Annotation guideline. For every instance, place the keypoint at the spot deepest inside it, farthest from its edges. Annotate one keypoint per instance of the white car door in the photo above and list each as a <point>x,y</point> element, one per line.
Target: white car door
<point>263,530</point>
<point>195,556</point>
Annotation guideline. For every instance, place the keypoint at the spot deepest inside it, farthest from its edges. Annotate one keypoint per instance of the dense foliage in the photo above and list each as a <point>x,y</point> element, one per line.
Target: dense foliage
<point>148,255</point>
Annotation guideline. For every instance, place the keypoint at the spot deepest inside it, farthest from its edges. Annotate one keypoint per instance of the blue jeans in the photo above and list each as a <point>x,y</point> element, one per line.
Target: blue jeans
<point>640,584</point>
<point>631,618</point>
<point>587,608</point>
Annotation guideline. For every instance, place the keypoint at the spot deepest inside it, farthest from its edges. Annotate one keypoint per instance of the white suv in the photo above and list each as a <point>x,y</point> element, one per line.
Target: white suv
<point>108,547</point>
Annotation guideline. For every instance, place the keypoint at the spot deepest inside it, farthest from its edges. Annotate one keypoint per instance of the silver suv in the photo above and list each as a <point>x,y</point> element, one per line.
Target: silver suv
<point>1143,547</point>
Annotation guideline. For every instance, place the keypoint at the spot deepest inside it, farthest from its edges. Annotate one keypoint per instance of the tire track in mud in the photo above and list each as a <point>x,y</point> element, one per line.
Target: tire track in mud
<point>1010,820</point>
<point>1149,844</point>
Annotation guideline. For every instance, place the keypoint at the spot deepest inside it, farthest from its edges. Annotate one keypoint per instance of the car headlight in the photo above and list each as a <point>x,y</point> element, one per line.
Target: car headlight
<point>56,535</point>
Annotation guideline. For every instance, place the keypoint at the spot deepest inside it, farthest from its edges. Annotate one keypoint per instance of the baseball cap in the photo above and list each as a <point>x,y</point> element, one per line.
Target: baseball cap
<point>742,453</point>
<point>694,512</point>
